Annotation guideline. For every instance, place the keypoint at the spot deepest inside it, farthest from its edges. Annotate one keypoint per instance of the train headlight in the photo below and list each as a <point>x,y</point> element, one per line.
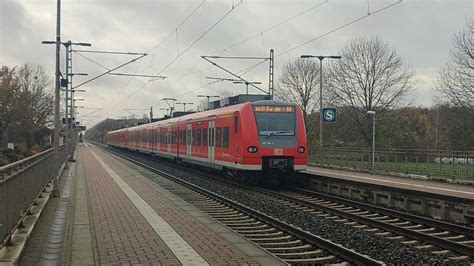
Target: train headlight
<point>252,149</point>
<point>301,149</point>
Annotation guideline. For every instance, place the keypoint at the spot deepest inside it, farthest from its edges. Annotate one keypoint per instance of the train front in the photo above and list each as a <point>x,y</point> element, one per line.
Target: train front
<point>281,137</point>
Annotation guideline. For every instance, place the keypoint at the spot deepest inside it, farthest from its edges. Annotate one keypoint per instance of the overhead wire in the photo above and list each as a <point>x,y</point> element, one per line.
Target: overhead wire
<point>185,50</point>
<point>338,28</point>
<point>270,28</point>
<point>156,46</point>
<point>201,36</point>
<point>248,69</point>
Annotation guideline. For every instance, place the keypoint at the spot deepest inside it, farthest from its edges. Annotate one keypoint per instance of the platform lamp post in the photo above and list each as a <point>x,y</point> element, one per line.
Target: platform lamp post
<point>321,58</point>
<point>184,105</point>
<point>372,113</point>
<point>208,99</point>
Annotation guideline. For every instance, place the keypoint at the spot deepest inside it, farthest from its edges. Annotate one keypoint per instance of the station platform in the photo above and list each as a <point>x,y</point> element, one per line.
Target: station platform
<point>109,213</point>
<point>414,184</point>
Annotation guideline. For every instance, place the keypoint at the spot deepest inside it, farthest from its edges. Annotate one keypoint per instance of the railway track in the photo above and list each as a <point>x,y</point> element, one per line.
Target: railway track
<point>440,238</point>
<point>291,244</point>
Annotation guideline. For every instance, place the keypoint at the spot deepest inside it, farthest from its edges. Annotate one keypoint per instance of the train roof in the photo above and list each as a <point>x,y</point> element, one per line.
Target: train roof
<point>208,113</point>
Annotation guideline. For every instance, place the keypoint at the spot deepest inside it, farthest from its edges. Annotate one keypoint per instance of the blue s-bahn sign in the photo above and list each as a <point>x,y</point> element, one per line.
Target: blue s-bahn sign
<point>329,115</point>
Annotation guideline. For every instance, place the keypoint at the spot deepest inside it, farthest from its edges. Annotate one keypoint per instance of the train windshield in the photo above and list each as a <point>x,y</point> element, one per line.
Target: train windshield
<point>275,120</point>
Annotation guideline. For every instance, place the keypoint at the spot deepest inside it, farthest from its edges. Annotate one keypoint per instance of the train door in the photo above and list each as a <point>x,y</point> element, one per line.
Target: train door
<point>210,149</point>
<point>158,139</point>
<point>189,140</point>
<point>168,136</point>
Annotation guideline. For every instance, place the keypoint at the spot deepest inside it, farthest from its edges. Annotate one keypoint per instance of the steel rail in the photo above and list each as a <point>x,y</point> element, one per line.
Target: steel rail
<point>438,241</point>
<point>456,228</point>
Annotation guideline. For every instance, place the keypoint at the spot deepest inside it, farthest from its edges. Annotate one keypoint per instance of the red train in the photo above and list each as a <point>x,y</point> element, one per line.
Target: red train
<point>266,136</point>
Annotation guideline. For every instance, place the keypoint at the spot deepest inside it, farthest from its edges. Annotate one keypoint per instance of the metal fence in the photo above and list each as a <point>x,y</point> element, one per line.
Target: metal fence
<point>437,163</point>
<point>20,184</point>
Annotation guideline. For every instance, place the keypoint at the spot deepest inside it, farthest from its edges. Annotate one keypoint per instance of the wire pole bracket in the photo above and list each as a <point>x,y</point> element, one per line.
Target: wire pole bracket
<point>271,58</point>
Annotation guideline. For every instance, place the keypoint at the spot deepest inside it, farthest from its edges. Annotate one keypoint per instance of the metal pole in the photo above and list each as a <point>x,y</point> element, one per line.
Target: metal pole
<point>270,76</point>
<point>72,114</point>
<point>373,142</point>
<point>321,101</point>
<point>57,89</point>
<point>247,88</point>
<point>151,114</point>
<point>66,131</point>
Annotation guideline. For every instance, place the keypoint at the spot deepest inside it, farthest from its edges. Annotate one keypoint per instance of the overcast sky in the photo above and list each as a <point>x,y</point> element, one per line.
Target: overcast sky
<point>421,31</point>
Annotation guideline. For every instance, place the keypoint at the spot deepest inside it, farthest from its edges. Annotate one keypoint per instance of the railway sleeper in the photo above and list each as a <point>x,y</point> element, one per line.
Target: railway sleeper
<point>416,226</point>
<point>410,242</point>
<point>458,237</point>
<point>279,250</point>
<point>443,233</point>
<point>280,243</point>
<point>319,260</point>
<point>287,237</point>
<point>237,220</point>
<point>229,216</point>
<point>236,224</point>
<point>390,220</point>
<point>425,247</point>
<point>459,258</point>
<point>360,213</point>
<point>396,237</point>
<point>257,228</point>
<point>380,218</point>
<point>256,231</point>
<point>441,252</point>
<point>426,230</point>
<point>269,235</point>
<point>372,215</point>
<point>402,223</point>
<point>300,254</point>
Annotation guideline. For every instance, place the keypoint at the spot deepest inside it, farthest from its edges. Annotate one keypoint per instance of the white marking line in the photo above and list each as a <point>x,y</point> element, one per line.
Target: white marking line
<point>393,182</point>
<point>183,251</point>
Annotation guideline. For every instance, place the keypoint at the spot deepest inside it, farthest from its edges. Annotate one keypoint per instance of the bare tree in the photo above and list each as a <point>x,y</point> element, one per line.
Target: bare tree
<point>299,83</point>
<point>370,76</point>
<point>456,80</point>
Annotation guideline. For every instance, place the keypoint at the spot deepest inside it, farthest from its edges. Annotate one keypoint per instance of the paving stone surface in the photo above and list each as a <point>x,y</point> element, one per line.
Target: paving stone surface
<point>123,235</point>
<point>209,244</point>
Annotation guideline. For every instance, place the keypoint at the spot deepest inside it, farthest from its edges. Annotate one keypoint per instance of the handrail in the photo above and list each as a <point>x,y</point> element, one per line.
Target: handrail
<point>10,169</point>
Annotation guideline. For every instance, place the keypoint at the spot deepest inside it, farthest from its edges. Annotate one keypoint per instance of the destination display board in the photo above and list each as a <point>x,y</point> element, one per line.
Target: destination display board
<point>273,109</point>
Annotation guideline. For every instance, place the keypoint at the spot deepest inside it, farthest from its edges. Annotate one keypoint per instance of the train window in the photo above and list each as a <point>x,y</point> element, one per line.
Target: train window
<point>218,137</point>
<point>199,137</point>
<point>194,137</point>
<point>204,137</point>
<point>225,141</point>
<point>236,124</point>
<point>211,137</point>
